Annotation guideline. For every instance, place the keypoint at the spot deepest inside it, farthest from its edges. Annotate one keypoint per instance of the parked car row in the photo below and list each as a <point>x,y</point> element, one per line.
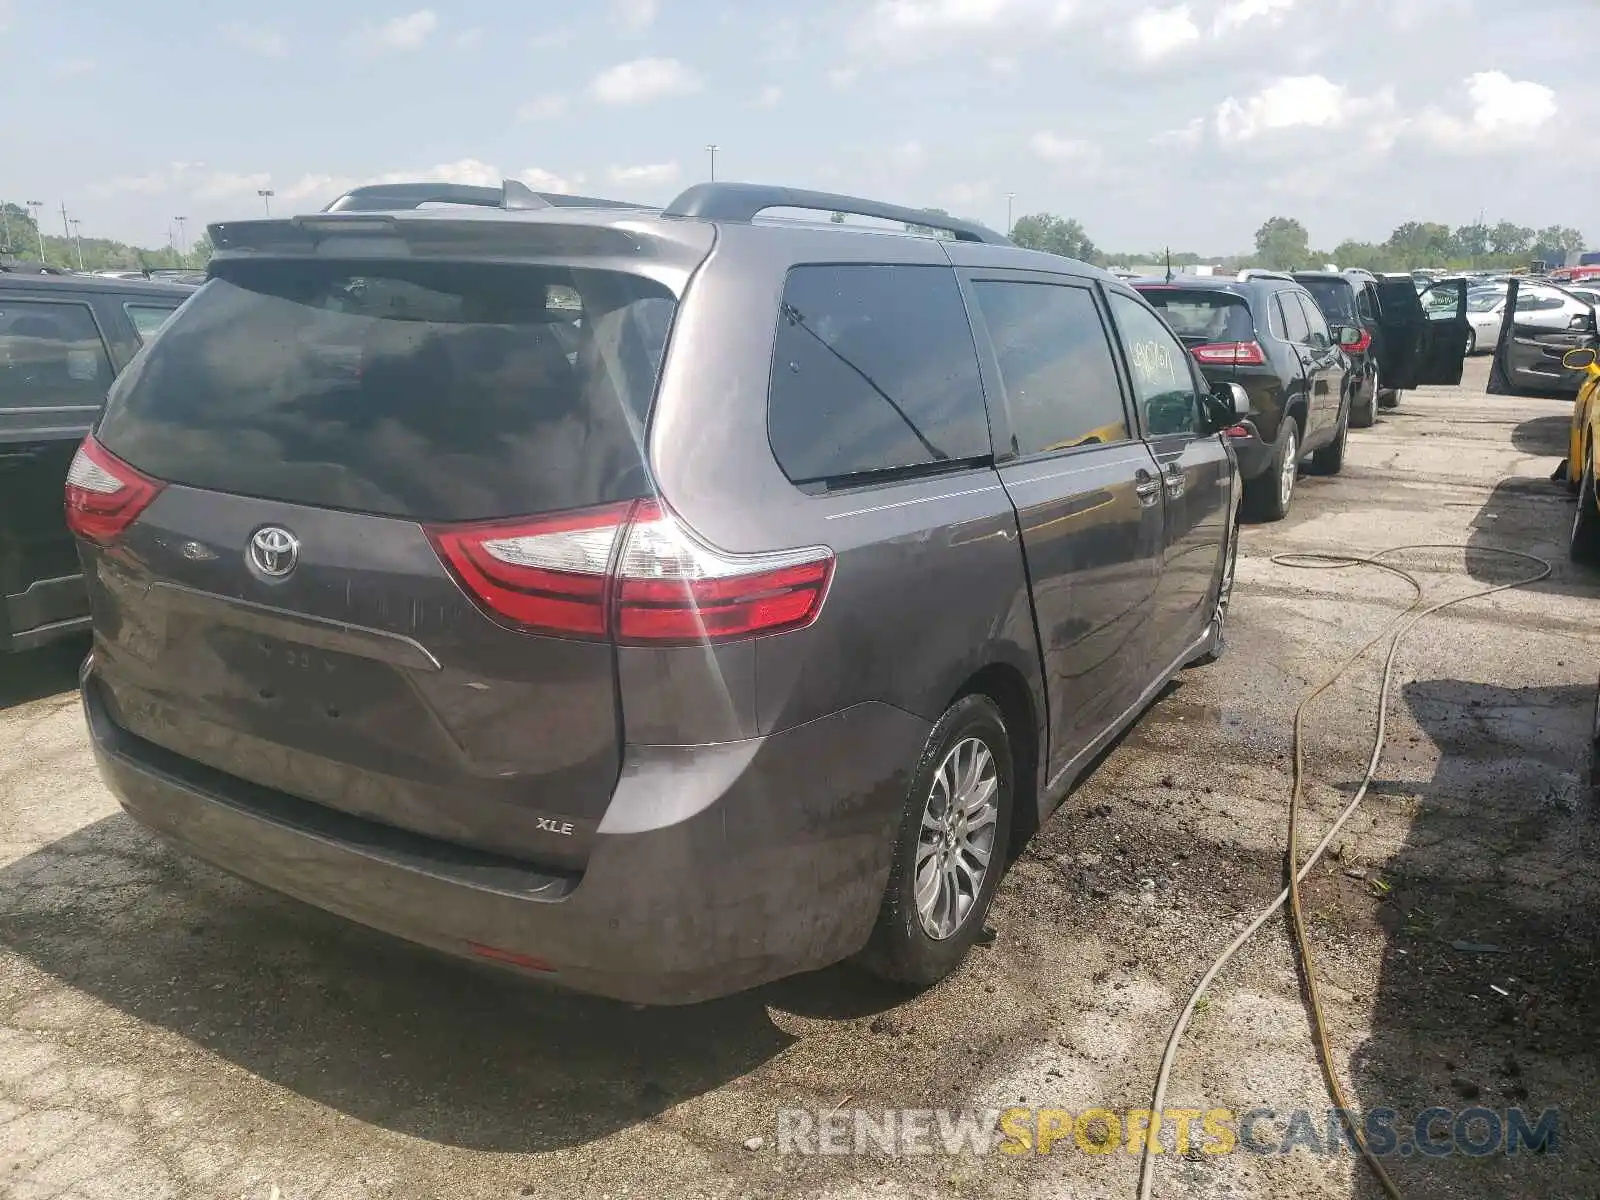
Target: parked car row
<point>1316,352</point>
<point>665,601</point>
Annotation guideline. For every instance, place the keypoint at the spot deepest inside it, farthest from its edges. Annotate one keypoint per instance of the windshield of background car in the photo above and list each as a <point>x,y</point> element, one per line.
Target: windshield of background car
<point>1201,316</point>
<point>1334,297</point>
<point>431,391</point>
<point>1482,302</point>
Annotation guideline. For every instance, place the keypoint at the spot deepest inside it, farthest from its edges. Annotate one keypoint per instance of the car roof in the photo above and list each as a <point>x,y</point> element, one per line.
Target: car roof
<point>96,283</point>
<point>1239,287</point>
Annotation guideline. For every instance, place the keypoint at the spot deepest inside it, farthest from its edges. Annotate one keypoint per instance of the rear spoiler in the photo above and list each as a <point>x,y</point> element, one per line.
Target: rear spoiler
<point>509,196</point>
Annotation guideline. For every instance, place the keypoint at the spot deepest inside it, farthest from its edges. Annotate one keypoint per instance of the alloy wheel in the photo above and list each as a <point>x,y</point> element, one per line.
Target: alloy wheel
<point>958,837</point>
<point>1289,469</point>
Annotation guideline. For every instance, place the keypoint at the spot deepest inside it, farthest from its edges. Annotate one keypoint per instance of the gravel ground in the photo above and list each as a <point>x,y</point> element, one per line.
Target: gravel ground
<point>166,1031</point>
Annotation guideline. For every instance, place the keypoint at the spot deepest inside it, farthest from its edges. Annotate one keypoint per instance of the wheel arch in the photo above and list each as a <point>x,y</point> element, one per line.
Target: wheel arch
<point>1006,685</point>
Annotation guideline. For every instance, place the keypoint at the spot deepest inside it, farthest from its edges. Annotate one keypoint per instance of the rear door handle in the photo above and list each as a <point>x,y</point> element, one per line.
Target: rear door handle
<point>1147,487</point>
<point>1176,480</point>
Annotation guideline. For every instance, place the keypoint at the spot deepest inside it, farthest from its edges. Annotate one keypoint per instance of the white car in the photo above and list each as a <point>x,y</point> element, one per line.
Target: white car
<point>1538,304</point>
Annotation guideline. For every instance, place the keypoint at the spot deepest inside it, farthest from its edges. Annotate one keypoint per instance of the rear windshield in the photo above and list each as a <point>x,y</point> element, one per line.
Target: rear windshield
<point>435,391</point>
<point>1203,316</point>
<point>1334,297</point>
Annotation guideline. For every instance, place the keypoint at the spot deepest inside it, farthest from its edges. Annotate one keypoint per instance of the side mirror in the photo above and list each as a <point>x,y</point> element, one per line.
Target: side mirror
<point>1225,406</point>
<point>1349,336</point>
<point>1579,360</point>
<point>1581,321</point>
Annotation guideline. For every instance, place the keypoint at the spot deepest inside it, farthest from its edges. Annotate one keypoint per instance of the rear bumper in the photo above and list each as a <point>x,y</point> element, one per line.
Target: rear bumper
<point>715,869</point>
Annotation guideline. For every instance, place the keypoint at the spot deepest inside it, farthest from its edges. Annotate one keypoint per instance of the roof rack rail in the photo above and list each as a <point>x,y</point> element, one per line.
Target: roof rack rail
<point>745,201</point>
<point>1257,273</point>
<point>384,197</point>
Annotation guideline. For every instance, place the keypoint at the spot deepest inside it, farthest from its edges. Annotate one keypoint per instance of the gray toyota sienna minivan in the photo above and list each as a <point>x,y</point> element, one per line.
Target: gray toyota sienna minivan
<point>657,601</point>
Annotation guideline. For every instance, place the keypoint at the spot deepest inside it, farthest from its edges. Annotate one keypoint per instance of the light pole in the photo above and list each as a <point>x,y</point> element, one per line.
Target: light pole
<point>35,207</point>
<point>183,242</point>
<point>711,149</point>
<point>77,237</point>
<point>266,195</point>
<point>1010,196</point>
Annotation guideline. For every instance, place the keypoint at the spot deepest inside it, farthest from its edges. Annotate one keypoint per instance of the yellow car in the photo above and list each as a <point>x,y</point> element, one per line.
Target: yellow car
<point>1582,448</point>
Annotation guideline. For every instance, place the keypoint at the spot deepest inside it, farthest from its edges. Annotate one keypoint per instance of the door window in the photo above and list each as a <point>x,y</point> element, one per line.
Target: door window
<point>1295,328</point>
<point>51,356</point>
<point>1163,377</point>
<point>1321,338</point>
<point>147,318</point>
<point>873,369</point>
<point>1055,362</point>
<point>1366,306</point>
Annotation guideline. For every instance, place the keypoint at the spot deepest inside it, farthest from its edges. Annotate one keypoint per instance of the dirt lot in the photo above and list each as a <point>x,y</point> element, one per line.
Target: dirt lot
<point>168,1031</point>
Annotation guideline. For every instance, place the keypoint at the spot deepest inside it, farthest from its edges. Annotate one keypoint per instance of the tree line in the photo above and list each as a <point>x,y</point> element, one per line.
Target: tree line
<point>22,239</point>
<point>1282,243</point>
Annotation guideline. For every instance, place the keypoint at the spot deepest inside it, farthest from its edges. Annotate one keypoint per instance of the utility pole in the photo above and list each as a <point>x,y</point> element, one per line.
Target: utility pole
<point>35,207</point>
<point>266,195</point>
<point>66,231</point>
<point>183,241</point>
<point>1010,196</point>
<point>77,237</point>
<point>711,149</point>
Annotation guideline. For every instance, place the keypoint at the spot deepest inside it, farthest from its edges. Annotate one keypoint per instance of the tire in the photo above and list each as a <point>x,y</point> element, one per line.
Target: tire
<point>1269,495</point>
<point>1219,622</point>
<point>1330,459</point>
<point>1472,340</point>
<point>1594,753</point>
<point>1363,414</point>
<point>1388,398</point>
<point>909,944</point>
<point>1584,545</point>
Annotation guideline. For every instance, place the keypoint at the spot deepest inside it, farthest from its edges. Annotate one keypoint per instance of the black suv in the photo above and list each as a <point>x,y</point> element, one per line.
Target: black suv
<point>1263,331</point>
<point>659,601</point>
<point>63,338</point>
<point>1349,300</point>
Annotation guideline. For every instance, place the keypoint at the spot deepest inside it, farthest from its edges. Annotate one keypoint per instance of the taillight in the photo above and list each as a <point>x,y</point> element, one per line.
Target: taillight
<point>632,571</point>
<point>104,494</point>
<point>1361,344</point>
<point>1236,354</point>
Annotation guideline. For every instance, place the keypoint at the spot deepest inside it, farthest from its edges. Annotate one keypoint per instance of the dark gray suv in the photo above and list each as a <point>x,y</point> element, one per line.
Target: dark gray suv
<point>660,602</point>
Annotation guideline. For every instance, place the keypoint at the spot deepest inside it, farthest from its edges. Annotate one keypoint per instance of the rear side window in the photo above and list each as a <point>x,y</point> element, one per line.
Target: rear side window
<point>147,319</point>
<point>873,370</point>
<point>1367,305</point>
<point>1201,317</point>
<point>1060,379</point>
<point>435,391</point>
<point>51,356</point>
<point>1321,336</point>
<point>1335,299</point>
<point>1293,316</point>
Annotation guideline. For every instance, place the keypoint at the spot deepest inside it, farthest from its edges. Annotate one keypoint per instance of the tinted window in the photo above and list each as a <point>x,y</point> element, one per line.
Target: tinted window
<point>1163,380</point>
<point>1295,328</point>
<point>1335,298</point>
<point>873,369</point>
<point>1201,316</point>
<point>442,391</point>
<point>146,318</point>
<point>1367,306</point>
<point>51,356</point>
<point>1060,379</point>
<point>1321,336</point>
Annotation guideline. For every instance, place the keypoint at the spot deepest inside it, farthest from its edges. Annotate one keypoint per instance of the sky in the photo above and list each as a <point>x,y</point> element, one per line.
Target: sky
<point>1181,124</point>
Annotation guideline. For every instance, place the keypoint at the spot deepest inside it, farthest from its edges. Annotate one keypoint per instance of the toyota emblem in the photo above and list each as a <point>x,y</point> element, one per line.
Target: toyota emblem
<point>274,551</point>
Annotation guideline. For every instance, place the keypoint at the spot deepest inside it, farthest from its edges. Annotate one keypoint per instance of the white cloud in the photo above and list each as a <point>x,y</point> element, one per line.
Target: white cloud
<point>843,77</point>
<point>258,39</point>
<point>468,39</point>
<point>542,108</point>
<point>1237,13</point>
<point>1157,33</point>
<point>151,183</point>
<point>1003,64</point>
<point>545,181</point>
<point>68,67</point>
<point>911,29</point>
<point>908,155</point>
<point>313,186</point>
<point>1052,147</point>
<point>1186,136</point>
<point>1294,101</point>
<point>770,95</point>
<point>633,17</point>
<point>646,174</point>
<point>965,196</point>
<point>464,170</point>
<point>1505,111</point>
<point>643,80</point>
<point>223,184</point>
<point>410,32</point>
